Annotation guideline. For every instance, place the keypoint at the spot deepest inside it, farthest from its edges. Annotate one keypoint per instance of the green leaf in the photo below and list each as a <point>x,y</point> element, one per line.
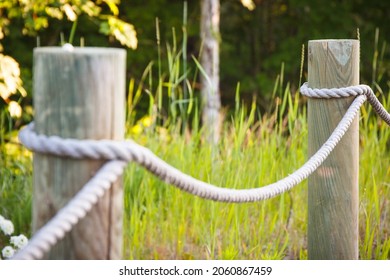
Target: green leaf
<point>104,28</point>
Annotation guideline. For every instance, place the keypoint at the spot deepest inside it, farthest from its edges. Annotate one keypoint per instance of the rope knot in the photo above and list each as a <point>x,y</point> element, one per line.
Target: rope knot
<point>365,90</point>
<point>328,93</point>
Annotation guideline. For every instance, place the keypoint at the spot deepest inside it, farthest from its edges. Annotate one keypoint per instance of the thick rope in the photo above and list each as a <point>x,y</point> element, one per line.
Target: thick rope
<point>346,92</point>
<point>125,151</point>
<point>130,151</point>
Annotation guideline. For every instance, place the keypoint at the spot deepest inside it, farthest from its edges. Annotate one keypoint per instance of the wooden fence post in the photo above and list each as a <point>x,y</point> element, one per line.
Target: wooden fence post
<point>79,93</point>
<point>333,188</point>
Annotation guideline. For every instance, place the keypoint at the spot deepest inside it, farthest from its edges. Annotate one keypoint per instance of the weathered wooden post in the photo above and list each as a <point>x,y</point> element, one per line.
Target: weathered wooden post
<point>333,188</point>
<point>79,93</point>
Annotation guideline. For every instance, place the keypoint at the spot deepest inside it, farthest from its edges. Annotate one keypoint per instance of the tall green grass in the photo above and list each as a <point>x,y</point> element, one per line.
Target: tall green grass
<point>256,148</point>
<point>162,222</point>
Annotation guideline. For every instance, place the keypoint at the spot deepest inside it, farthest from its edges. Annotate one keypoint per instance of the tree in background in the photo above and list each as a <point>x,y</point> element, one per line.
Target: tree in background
<point>211,100</point>
<point>210,90</point>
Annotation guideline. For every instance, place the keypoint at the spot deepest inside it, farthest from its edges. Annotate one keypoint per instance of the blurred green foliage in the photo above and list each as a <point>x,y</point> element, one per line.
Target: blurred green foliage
<point>25,24</point>
<point>255,44</point>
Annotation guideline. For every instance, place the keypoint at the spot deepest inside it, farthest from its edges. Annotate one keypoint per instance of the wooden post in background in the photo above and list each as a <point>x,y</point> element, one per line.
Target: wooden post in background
<point>79,93</point>
<point>333,188</point>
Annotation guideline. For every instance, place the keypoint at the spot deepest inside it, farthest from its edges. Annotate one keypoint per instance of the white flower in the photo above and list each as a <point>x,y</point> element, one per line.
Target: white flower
<point>6,226</point>
<point>19,241</point>
<point>1,218</point>
<point>8,252</point>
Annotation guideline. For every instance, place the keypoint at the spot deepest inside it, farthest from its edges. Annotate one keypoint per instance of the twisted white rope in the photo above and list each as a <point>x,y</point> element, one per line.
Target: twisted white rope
<point>130,151</point>
<point>333,92</point>
<point>125,151</point>
<point>347,92</point>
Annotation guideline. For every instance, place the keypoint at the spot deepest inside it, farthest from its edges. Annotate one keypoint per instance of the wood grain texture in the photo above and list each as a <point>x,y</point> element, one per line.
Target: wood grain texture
<point>333,189</point>
<point>79,94</point>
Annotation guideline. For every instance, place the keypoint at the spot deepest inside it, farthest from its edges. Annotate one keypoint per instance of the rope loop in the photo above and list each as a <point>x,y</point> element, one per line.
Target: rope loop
<point>333,92</point>
<point>348,92</point>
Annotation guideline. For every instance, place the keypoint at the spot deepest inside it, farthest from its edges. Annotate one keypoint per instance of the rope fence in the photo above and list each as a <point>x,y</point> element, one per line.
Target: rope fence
<point>80,154</point>
<point>120,153</point>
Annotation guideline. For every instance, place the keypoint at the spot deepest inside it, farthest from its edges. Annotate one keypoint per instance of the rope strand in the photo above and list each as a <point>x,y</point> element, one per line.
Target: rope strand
<point>347,92</point>
<point>130,151</point>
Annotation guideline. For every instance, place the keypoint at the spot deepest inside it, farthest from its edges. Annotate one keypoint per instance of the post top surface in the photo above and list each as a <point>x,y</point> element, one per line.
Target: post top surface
<point>333,40</point>
<point>78,50</point>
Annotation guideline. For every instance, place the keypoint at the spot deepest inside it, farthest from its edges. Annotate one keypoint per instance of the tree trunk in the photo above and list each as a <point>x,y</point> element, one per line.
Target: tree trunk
<point>211,101</point>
